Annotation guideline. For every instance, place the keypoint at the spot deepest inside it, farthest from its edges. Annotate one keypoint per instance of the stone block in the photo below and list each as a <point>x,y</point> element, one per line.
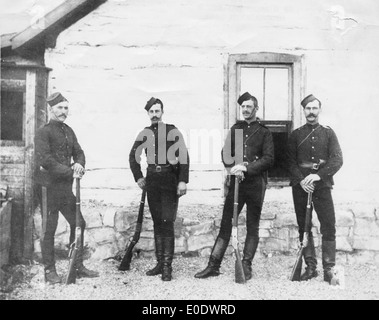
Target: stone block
<point>364,211</point>
<point>200,241</point>
<point>264,233</point>
<point>344,218</point>
<point>180,244</point>
<point>266,224</point>
<point>109,217</point>
<point>273,244</point>
<point>104,251</point>
<point>242,219</point>
<point>217,222</point>
<point>122,239</point>
<point>284,220</point>
<point>146,244</point>
<point>148,225</point>
<point>146,234</point>
<point>206,252</point>
<point>124,219</point>
<point>62,240</point>
<point>203,228</point>
<point>343,244</point>
<point>98,236</point>
<point>93,218</point>
<point>178,226</point>
<point>366,243</point>
<point>364,227</point>
<point>293,232</point>
<point>190,222</point>
<point>63,225</point>
<point>343,231</point>
<point>37,220</point>
<point>268,215</point>
<point>282,233</point>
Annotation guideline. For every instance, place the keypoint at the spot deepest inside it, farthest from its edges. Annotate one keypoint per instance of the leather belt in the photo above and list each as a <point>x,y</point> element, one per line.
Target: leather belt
<point>312,165</point>
<point>158,168</point>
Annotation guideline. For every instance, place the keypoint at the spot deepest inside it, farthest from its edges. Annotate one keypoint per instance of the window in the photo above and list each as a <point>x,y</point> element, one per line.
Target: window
<point>276,80</point>
<point>12,110</point>
<point>12,106</point>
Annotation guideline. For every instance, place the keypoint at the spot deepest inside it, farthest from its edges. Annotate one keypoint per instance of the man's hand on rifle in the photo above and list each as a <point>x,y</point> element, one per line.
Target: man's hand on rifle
<point>141,183</point>
<point>238,170</point>
<point>182,188</point>
<point>78,170</point>
<point>306,185</point>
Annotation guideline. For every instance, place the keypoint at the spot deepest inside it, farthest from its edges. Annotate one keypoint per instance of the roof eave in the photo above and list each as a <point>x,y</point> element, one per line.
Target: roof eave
<point>54,23</point>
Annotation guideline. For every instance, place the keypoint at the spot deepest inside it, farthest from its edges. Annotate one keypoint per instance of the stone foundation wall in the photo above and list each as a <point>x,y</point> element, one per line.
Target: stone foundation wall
<point>109,229</point>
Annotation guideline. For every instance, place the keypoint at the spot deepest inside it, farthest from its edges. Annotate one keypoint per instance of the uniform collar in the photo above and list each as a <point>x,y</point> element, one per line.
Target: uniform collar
<point>56,123</point>
<point>312,126</point>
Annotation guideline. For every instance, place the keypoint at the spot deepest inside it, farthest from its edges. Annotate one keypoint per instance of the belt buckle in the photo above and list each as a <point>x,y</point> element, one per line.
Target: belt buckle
<point>158,169</point>
<point>315,166</point>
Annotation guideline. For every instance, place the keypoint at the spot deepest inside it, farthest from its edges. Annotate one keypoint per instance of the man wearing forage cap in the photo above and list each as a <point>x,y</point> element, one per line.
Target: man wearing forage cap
<point>166,179</point>
<point>314,156</point>
<point>56,149</point>
<point>248,153</point>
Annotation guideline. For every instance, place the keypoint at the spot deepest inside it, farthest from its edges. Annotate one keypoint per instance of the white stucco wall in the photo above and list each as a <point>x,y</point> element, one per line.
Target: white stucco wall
<point>112,61</point>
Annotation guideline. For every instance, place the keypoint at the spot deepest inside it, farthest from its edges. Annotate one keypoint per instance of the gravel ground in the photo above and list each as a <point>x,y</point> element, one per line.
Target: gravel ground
<point>269,282</point>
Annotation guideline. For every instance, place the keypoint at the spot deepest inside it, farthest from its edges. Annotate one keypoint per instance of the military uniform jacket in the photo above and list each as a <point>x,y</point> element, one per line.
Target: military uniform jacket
<point>56,147</point>
<point>164,146</point>
<point>310,144</point>
<point>251,143</point>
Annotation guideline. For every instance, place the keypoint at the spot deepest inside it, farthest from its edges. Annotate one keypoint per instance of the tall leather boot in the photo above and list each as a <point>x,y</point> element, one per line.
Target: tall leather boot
<point>249,250</point>
<point>329,261</point>
<point>310,259</point>
<point>159,255</point>
<point>168,255</point>
<point>213,267</point>
<point>48,257</point>
<point>81,270</point>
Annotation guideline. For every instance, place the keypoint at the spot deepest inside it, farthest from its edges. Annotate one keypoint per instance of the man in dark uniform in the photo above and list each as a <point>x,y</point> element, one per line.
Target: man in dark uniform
<point>56,145</point>
<point>314,156</point>
<point>166,180</point>
<point>248,153</point>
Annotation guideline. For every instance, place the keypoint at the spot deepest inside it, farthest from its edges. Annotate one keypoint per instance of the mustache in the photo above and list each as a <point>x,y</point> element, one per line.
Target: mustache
<point>311,115</point>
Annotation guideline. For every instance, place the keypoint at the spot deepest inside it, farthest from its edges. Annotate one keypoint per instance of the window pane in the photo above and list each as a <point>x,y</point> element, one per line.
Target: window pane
<point>252,81</point>
<point>276,99</point>
<point>11,115</point>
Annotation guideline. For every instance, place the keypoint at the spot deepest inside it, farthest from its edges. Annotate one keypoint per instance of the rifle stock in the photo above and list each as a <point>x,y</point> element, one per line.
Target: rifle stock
<point>239,273</point>
<point>296,270</point>
<point>125,263</point>
<point>75,246</point>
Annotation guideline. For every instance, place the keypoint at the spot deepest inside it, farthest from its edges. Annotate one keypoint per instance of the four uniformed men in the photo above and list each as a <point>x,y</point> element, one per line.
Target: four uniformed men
<point>314,156</point>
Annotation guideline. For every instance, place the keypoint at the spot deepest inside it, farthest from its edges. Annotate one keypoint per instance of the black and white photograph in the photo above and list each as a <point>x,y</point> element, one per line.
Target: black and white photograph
<point>189,155</point>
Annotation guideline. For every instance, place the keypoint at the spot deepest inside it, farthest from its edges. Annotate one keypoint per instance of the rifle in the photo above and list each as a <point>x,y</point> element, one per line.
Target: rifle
<point>239,273</point>
<point>125,263</point>
<point>296,270</point>
<point>75,246</point>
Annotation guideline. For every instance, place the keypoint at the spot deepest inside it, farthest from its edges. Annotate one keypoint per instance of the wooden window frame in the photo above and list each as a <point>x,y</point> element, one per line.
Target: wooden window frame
<point>297,90</point>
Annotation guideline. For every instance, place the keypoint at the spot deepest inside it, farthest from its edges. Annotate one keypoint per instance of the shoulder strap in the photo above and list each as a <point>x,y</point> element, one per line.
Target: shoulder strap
<point>307,137</point>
